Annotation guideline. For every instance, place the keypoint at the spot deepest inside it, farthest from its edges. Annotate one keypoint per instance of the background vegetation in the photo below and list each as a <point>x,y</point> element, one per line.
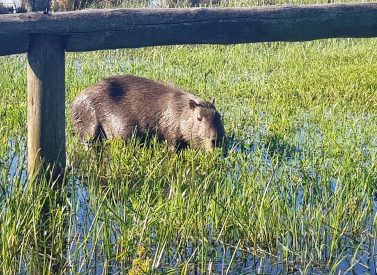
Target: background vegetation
<point>295,193</point>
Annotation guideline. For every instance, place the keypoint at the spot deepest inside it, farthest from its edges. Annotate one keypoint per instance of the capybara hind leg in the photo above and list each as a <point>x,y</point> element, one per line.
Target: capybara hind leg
<point>91,133</point>
<point>85,121</point>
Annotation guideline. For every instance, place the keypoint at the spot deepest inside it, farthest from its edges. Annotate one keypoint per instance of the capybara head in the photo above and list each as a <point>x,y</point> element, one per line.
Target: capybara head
<point>207,129</point>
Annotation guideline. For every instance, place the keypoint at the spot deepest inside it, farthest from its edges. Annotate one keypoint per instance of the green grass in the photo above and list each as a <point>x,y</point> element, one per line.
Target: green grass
<point>295,191</point>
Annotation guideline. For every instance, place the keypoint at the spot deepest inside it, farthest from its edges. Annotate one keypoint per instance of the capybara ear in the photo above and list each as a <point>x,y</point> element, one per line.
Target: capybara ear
<point>192,104</point>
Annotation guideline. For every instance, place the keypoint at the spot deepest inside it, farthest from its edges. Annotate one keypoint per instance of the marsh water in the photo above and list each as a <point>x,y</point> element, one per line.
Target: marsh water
<point>359,253</point>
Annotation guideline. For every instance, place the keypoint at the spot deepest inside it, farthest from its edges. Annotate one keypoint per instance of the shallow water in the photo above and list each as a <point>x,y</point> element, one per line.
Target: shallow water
<point>84,256</point>
<point>243,262</point>
<point>360,256</point>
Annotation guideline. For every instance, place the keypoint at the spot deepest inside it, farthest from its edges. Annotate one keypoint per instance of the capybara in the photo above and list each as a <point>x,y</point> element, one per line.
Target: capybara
<point>123,106</point>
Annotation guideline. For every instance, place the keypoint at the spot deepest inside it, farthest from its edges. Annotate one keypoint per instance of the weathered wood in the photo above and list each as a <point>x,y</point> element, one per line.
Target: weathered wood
<point>128,28</point>
<point>46,102</point>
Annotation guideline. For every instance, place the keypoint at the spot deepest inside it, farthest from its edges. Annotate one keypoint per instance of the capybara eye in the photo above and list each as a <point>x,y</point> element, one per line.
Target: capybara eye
<point>200,118</point>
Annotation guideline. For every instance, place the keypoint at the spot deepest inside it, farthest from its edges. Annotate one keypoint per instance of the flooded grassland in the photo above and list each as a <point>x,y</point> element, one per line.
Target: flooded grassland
<point>295,192</point>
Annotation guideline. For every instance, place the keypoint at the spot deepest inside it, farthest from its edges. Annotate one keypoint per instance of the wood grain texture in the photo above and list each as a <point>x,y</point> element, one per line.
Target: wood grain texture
<point>129,28</point>
<point>46,102</point>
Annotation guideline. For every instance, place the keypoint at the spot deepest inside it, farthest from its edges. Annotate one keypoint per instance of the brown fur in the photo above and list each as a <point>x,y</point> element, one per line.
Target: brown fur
<point>120,106</point>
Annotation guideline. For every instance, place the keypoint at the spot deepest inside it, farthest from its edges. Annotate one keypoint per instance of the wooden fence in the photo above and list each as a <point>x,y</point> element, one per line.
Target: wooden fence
<point>47,36</point>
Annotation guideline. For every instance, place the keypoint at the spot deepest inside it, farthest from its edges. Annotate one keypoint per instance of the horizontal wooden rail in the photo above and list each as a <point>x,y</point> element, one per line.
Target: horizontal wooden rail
<point>130,28</point>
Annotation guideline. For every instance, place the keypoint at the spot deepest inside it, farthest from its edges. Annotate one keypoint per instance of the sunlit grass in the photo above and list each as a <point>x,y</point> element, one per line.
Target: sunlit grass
<point>294,192</point>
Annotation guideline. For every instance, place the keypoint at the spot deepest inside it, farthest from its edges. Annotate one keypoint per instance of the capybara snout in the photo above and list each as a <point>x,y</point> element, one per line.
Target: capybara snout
<point>120,106</point>
<point>208,126</point>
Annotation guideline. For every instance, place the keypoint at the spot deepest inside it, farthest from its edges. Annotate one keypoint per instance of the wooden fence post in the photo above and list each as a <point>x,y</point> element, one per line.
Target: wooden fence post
<point>46,103</point>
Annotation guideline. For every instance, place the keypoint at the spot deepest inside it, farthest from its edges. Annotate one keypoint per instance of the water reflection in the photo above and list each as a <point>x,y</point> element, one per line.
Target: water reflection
<point>86,252</point>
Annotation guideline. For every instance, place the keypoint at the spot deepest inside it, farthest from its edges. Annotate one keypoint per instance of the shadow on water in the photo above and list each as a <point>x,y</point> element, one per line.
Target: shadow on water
<point>276,146</point>
<point>271,144</point>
